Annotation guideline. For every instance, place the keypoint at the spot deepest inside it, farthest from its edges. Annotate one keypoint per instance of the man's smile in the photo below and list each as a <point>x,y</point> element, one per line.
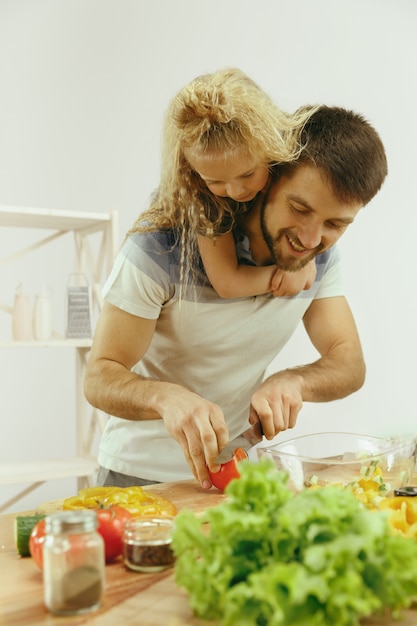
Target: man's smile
<point>295,245</point>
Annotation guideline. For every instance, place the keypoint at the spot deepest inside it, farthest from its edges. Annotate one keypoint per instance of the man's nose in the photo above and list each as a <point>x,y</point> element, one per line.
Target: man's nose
<point>311,236</point>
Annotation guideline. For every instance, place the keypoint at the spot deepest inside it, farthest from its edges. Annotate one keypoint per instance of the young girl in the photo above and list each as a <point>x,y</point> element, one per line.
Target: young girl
<point>222,135</point>
<point>242,180</point>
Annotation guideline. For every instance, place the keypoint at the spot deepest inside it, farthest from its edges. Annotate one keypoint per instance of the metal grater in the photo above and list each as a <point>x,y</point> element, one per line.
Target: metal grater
<point>78,307</point>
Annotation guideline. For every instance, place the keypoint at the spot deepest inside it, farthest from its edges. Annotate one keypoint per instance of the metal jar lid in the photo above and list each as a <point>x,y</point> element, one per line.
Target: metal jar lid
<point>71,522</point>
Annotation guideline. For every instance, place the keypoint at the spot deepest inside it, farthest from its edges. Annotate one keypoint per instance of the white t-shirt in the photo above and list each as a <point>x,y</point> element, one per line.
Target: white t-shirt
<point>216,347</point>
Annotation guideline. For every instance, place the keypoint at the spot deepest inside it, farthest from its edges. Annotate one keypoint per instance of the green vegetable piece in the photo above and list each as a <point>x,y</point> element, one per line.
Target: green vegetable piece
<point>23,526</point>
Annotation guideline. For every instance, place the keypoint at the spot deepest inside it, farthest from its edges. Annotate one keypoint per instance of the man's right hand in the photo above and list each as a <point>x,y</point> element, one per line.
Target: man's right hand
<point>198,426</point>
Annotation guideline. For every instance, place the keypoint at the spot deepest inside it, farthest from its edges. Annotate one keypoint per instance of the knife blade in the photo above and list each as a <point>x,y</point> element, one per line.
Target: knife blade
<point>245,440</point>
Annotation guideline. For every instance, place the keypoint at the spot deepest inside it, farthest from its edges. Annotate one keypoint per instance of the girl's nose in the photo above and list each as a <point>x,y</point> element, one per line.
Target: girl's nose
<point>235,189</point>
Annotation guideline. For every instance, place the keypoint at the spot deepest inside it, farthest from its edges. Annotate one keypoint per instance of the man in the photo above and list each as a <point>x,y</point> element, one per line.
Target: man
<point>184,372</point>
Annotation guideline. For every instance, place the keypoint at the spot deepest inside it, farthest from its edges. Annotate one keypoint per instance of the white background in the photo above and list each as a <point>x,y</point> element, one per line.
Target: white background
<point>84,85</point>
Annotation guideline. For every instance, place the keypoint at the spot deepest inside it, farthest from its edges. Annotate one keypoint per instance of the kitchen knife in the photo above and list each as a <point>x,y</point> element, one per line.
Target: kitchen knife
<point>245,440</point>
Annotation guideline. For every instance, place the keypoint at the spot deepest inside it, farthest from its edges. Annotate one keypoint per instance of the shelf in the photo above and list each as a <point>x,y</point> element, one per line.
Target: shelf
<point>38,472</point>
<point>41,471</point>
<point>52,343</point>
<point>23,217</point>
<point>94,244</point>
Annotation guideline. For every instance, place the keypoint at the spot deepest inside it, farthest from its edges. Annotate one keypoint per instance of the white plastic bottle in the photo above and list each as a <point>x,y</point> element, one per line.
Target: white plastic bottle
<point>42,315</point>
<point>22,316</point>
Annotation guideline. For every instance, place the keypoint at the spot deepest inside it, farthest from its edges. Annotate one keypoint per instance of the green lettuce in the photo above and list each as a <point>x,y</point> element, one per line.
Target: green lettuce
<point>269,557</point>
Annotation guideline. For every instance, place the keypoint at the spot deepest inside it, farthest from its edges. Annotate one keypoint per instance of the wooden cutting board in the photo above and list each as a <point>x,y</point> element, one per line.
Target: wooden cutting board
<point>185,494</point>
<point>131,598</point>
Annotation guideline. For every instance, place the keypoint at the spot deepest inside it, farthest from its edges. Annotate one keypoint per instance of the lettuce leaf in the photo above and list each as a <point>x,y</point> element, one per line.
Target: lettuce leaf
<point>269,557</point>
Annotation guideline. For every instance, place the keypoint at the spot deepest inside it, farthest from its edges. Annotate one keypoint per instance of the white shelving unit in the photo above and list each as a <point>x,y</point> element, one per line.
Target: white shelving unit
<point>95,262</point>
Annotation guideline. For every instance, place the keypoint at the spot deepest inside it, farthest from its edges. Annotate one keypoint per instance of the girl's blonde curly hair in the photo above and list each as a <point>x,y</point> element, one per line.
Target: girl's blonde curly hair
<point>215,114</point>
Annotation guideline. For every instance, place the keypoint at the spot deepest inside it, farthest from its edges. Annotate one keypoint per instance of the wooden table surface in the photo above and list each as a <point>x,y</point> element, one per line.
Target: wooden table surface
<point>131,598</point>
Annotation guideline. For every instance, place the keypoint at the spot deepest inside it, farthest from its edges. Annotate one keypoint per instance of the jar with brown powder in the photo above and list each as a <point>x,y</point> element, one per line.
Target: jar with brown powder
<point>73,563</point>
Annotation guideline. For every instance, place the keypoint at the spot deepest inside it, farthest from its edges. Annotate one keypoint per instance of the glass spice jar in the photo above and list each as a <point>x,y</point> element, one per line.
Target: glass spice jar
<point>73,563</point>
<point>147,544</point>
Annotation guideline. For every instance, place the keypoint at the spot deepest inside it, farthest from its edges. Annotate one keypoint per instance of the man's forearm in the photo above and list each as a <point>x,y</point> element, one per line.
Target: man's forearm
<point>111,388</point>
<point>331,377</point>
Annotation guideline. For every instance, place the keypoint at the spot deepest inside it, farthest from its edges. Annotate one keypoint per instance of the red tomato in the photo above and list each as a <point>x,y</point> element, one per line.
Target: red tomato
<point>110,526</point>
<point>36,541</point>
<point>228,471</point>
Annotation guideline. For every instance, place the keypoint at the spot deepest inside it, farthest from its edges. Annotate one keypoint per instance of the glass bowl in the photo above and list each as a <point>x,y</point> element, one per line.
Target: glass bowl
<point>343,458</point>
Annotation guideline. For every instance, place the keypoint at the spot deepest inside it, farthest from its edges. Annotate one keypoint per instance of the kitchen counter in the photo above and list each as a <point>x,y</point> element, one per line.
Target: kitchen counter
<point>131,598</point>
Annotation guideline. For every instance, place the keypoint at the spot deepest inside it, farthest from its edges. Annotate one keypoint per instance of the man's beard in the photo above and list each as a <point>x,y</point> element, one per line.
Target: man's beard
<point>291,264</point>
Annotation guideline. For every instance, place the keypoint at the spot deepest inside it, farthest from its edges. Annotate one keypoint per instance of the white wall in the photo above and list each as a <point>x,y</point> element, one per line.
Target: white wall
<point>83,88</point>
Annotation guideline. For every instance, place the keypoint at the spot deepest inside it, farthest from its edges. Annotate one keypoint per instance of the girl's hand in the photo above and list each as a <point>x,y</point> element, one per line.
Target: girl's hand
<point>291,283</point>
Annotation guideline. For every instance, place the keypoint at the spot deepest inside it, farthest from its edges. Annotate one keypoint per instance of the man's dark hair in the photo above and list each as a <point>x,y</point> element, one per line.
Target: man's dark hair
<point>347,150</point>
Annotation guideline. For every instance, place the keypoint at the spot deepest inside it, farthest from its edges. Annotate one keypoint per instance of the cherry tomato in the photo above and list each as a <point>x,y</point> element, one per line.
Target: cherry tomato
<point>228,471</point>
<point>110,526</point>
<point>36,541</point>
